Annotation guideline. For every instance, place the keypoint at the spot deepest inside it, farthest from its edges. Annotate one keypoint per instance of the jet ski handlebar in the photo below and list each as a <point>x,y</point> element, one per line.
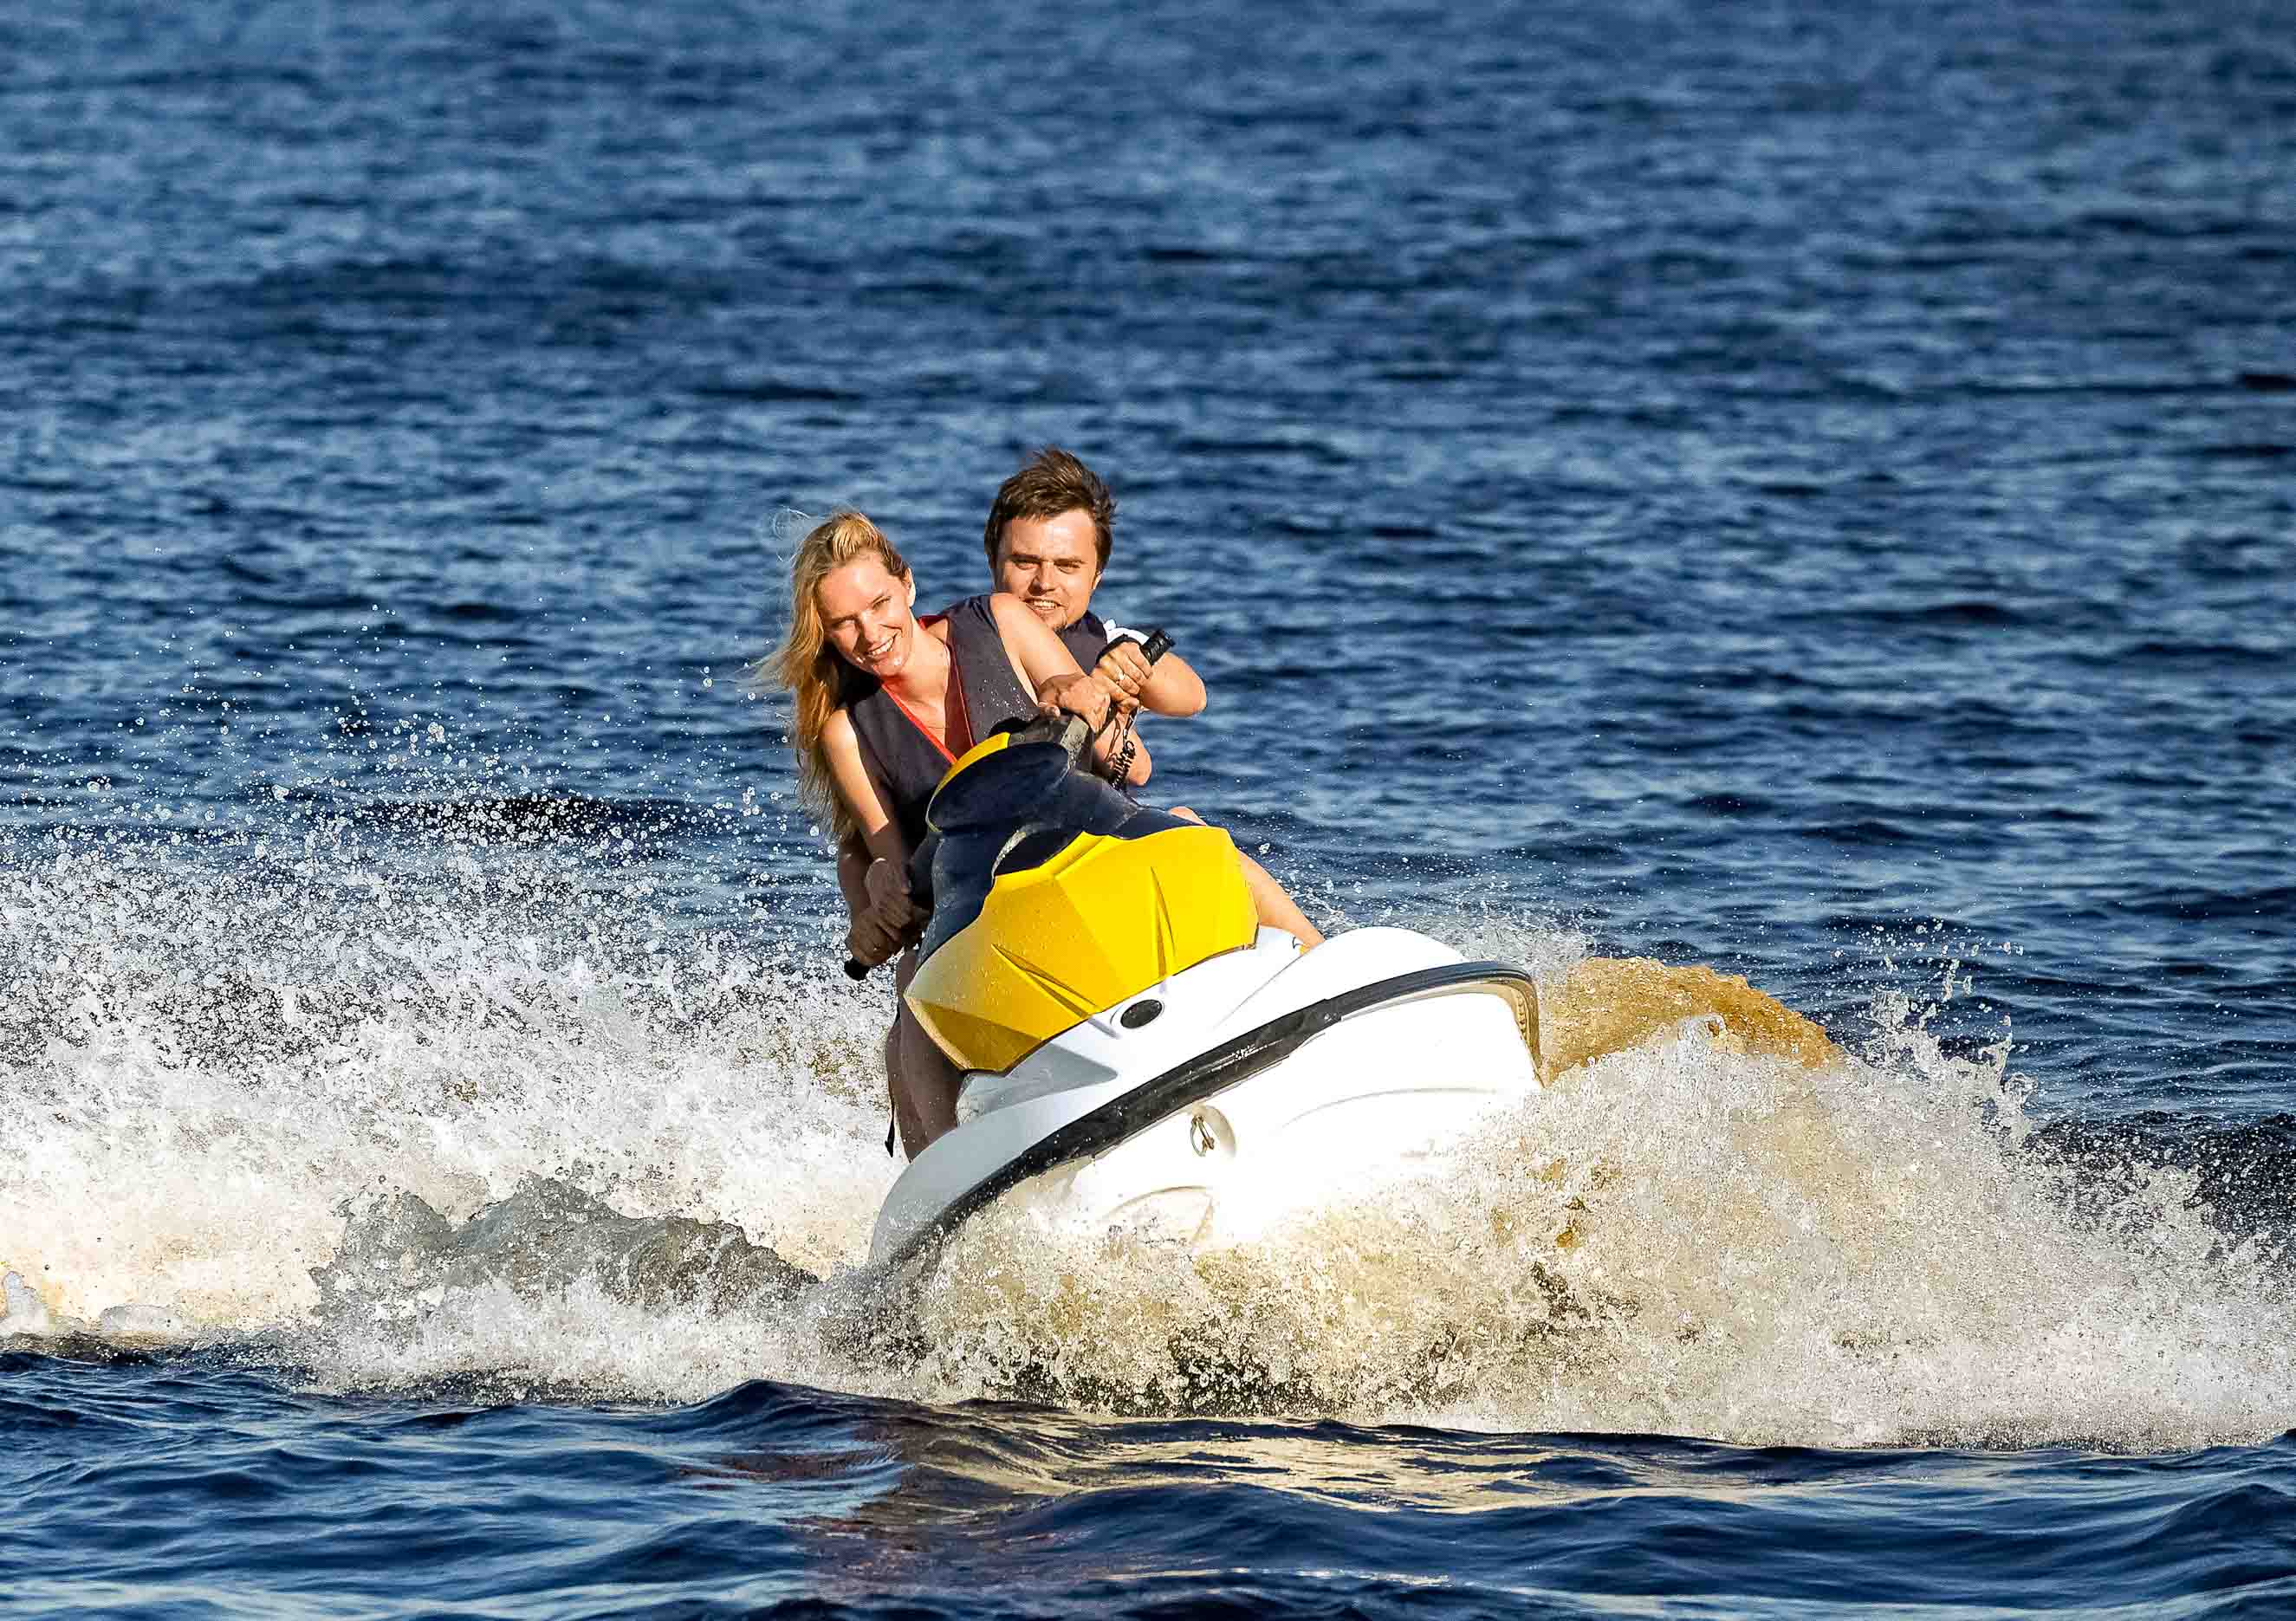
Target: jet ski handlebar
<point>1071,732</point>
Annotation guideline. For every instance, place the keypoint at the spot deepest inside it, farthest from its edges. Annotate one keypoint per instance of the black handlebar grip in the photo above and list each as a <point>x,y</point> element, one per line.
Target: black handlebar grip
<point>855,970</point>
<point>1153,647</point>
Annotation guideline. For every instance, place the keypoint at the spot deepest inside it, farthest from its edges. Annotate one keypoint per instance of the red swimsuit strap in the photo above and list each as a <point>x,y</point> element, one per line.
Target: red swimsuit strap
<point>953,708</point>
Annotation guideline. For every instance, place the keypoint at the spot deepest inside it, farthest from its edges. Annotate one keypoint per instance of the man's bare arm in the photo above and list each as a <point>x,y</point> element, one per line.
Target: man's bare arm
<point>1169,686</point>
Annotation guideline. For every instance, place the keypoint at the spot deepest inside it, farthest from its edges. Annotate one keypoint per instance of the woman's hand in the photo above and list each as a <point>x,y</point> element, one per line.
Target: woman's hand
<point>869,942</point>
<point>889,918</point>
<point>886,885</point>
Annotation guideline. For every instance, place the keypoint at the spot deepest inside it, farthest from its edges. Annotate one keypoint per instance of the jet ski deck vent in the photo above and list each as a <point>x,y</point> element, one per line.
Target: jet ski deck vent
<point>1141,1013</point>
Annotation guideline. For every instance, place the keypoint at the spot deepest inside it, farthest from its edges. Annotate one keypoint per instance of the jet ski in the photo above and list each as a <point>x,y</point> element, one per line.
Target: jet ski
<point>1140,1057</point>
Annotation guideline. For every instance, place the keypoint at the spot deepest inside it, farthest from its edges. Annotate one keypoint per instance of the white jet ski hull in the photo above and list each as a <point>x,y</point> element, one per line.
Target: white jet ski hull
<point>1255,1087</point>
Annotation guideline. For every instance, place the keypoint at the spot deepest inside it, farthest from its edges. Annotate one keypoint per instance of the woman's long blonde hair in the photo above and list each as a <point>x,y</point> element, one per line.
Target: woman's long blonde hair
<point>818,681</point>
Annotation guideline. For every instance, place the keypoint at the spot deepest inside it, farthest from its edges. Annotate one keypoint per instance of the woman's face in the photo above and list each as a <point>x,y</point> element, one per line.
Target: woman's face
<point>865,613</point>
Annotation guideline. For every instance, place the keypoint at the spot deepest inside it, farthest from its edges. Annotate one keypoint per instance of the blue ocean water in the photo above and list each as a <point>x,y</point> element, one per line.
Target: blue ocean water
<point>1810,490</point>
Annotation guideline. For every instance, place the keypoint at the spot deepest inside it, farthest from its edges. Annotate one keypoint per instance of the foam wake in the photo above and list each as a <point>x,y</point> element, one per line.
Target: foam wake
<point>207,1072</point>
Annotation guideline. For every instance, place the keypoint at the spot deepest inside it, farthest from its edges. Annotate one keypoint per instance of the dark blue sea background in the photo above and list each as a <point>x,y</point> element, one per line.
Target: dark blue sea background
<point>1809,490</point>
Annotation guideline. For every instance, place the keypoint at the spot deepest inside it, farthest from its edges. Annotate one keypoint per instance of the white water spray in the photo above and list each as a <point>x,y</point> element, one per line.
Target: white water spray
<point>484,1125</point>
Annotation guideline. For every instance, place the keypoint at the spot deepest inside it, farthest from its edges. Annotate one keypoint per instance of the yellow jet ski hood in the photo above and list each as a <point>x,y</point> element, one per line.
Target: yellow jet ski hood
<point>1055,897</point>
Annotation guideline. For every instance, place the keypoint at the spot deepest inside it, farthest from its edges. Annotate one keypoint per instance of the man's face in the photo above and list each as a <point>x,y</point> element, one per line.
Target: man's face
<point>1052,564</point>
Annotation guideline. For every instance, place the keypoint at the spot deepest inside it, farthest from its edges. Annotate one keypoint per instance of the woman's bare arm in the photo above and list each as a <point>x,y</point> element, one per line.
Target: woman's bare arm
<point>883,914</point>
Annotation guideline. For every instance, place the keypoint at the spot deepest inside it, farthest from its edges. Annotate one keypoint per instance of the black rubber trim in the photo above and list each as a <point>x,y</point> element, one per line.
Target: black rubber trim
<point>1214,1071</point>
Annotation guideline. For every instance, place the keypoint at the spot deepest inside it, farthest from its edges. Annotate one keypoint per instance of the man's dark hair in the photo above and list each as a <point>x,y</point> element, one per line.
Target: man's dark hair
<point>1052,482</point>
